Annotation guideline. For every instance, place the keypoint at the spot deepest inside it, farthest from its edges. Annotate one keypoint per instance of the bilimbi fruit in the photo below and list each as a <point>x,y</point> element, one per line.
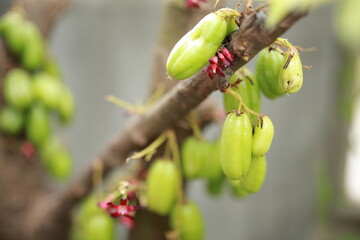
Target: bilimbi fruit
<point>193,157</point>
<point>11,120</point>
<point>236,145</point>
<point>92,222</point>
<point>162,186</point>
<point>38,127</point>
<point>246,85</point>
<point>47,90</point>
<point>263,135</point>
<point>268,68</point>
<point>291,74</point>
<point>192,52</point>
<point>189,220</point>
<point>18,90</point>
<point>254,179</point>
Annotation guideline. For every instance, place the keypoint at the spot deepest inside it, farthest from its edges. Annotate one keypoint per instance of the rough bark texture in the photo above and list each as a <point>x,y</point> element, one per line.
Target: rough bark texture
<point>30,210</point>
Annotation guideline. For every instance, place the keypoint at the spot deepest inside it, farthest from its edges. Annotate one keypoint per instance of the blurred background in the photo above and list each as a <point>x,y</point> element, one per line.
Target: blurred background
<point>105,47</point>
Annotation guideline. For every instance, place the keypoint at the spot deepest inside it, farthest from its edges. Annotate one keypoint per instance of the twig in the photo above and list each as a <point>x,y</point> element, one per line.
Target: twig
<point>187,95</point>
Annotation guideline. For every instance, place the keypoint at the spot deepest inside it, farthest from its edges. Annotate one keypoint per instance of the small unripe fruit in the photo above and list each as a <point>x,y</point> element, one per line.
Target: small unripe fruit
<point>48,90</point>
<point>237,189</point>
<point>236,144</point>
<point>18,90</point>
<point>162,186</point>
<point>263,135</point>
<point>212,164</point>
<point>191,222</point>
<point>92,222</point>
<point>33,54</point>
<point>291,75</point>
<point>99,227</point>
<point>56,159</point>
<point>11,120</point>
<point>66,105</point>
<point>215,186</point>
<point>268,66</point>
<point>193,157</point>
<point>254,179</point>
<point>12,31</point>
<point>193,50</point>
<point>38,127</point>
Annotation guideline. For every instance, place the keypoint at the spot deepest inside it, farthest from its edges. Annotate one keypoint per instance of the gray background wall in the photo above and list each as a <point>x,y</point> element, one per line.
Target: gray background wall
<point>105,47</point>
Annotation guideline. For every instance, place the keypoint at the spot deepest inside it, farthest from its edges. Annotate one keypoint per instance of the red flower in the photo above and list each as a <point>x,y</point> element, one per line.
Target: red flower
<point>216,67</point>
<point>123,211</point>
<point>213,68</point>
<point>227,54</point>
<point>194,3</point>
<point>28,149</point>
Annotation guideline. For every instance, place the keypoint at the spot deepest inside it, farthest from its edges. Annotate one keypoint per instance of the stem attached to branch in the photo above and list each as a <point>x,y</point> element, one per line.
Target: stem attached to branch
<point>177,103</point>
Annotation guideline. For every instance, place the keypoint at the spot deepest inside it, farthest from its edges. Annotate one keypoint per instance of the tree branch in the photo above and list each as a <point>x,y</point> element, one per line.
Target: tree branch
<point>185,96</point>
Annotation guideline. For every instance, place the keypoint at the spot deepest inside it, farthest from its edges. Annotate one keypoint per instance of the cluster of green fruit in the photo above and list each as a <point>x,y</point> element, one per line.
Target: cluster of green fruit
<point>279,73</point>
<point>92,223</point>
<point>246,135</point>
<point>243,150</point>
<point>163,186</point>
<point>33,92</point>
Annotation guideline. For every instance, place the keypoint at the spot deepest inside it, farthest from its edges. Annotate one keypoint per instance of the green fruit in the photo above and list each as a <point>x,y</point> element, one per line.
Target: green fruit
<point>261,71</point>
<point>90,219</point>
<point>215,186</point>
<point>48,90</point>
<point>33,54</point>
<point>99,227</point>
<point>189,220</point>
<point>248,89</point>
<point>12,31</point>
<point>18,90</point>
<point>51,67</point>
<point>162,186</point>
<point>254,92</point>
<point>60,165</point>
<point>193,50</point>
<point>263,135</point>
<point>66,105</point>
<point>268,68</point>
<point>212,164</point>
<point>230,102</point>
<point>236,144</point>
<point>89,207</point>
<point>11,120</point>
<point>193,157</point>
<point>291,74</point>
<point>38,127</point>
<point>254,179</point>
<point>232,26</point>
<point>237,189</point>
<point>56,159</point>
